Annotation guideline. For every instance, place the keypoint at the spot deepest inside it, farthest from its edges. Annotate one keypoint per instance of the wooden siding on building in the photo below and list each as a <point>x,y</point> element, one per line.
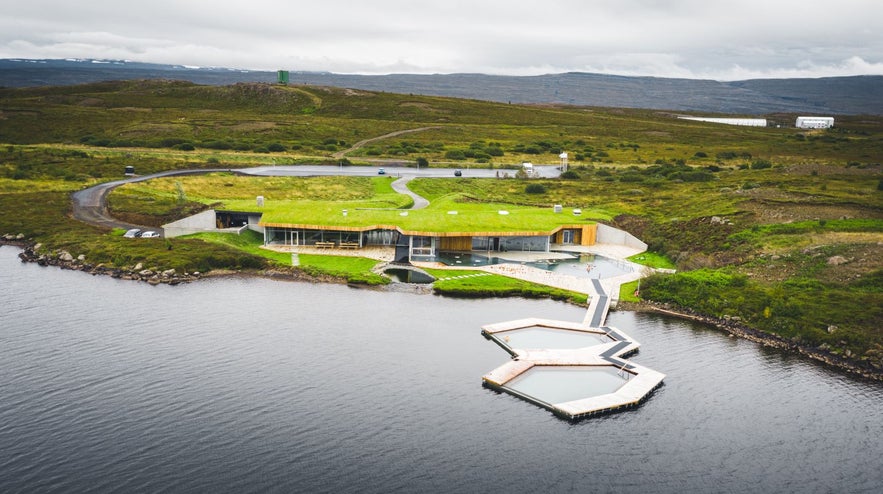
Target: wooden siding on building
<point>455,243</point>
<point>589,234</point>
<point>582,234</point>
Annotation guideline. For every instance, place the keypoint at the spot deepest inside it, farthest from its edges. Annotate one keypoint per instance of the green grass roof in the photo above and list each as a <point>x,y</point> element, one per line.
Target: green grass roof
<point>447,215</point>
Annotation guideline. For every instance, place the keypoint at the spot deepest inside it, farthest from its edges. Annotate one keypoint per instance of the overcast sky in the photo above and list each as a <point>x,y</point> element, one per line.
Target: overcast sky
<point>709,39</point>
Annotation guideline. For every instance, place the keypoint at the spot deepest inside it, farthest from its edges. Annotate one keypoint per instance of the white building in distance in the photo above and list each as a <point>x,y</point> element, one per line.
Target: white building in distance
<point>814,122</point>
<point>748,122</point>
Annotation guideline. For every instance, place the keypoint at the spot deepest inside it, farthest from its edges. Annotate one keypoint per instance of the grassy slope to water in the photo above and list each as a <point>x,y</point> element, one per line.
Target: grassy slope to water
<point>465,283</point>
<point>777,226</point>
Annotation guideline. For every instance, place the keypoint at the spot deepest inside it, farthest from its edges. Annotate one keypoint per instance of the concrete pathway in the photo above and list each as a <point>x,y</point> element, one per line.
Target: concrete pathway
<point>591,286</point>
<point>401,186</point>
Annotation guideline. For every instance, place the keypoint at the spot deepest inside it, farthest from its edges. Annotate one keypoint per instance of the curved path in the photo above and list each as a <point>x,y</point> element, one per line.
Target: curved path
<point>341,154</point>
<point>90,205</point>
<point>401,186</point>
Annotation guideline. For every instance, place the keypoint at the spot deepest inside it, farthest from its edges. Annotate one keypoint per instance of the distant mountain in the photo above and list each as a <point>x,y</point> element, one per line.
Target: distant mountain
<point>830,95</point>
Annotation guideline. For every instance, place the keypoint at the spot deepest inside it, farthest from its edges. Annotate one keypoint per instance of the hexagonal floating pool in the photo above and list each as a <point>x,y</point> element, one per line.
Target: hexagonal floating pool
<point>563,383</point>
<point>571,369</point>
<point>546,337</point>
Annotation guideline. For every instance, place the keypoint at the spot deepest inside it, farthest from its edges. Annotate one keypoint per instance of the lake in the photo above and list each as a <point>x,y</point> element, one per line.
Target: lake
<point>256,385</point>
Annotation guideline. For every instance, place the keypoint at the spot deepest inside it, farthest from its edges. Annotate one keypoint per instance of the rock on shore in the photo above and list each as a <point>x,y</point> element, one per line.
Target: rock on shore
<point>870,368</point>
<point>65,260</point>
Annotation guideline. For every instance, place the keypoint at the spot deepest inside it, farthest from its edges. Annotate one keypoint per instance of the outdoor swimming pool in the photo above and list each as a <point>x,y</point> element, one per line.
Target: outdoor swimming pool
<point>543,337</point>
<point>579,265</point>
<point>560,384</point>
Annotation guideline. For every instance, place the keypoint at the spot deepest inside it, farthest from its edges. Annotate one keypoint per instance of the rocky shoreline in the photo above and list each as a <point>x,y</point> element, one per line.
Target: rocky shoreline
<point>64,260</point>
<point>869,369</point>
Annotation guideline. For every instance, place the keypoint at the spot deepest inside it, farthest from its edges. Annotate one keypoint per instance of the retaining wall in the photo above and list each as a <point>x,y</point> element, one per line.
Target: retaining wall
<point>200,222</point>
<point>610,235</point>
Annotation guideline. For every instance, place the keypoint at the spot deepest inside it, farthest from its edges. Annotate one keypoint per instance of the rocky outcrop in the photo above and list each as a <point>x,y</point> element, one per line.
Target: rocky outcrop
<point>65,260</point>
<point>13,239</point>
<point>35,253</point>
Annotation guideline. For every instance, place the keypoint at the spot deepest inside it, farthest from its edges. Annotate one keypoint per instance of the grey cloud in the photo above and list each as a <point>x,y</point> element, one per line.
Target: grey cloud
<point>677,38</point>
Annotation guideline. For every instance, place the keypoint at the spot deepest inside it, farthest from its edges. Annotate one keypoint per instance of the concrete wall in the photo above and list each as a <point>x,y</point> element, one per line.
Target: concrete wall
<point>610,235</point>
<point>206,221</point>
<point>253,220</point>
<point>199,222</point>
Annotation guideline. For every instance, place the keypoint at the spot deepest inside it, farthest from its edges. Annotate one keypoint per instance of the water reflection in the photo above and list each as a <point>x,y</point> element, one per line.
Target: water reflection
<point>252,385</point>
<point>403,275</point>
<point>559,384</point>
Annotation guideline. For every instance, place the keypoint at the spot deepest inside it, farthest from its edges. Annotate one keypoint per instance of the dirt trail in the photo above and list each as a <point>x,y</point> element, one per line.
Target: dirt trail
<point>341,154</point>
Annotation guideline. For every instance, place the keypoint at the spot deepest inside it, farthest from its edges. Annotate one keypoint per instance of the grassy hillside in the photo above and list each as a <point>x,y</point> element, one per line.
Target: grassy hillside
<point>295,122</point>
<point>778,227</point>
<point>826,95</point>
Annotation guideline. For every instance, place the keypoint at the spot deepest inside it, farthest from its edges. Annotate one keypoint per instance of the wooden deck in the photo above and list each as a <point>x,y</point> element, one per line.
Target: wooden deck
<point>639,381</point>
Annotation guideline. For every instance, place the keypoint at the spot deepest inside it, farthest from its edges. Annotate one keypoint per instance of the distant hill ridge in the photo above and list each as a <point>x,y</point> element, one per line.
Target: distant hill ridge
<point>854,95</point>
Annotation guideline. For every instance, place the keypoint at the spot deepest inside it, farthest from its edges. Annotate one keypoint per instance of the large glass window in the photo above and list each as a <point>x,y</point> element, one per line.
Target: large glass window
<point>313,236</point>
<point>422,246</point>
<point>518,244</point>
<point>349,237</point>
<point>480,243</point>
<point>281,236</point>
<point>525,244</point>
<point>381,237</point>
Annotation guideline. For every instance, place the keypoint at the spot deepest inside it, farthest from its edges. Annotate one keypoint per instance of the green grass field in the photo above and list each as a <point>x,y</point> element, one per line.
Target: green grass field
<point>465,283</point>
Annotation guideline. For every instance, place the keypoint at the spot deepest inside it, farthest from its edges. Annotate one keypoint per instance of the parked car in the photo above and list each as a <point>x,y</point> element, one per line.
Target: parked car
<point>134,232</point>
<point>150,234</point>
<point>381,171</point>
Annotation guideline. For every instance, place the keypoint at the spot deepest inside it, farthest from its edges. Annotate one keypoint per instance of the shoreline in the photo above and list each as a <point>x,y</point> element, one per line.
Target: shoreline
<point>64,260</point>
<point>735,329</point>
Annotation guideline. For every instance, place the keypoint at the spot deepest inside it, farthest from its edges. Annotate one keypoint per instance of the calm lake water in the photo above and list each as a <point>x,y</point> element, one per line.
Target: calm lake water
<point>253,385</point>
